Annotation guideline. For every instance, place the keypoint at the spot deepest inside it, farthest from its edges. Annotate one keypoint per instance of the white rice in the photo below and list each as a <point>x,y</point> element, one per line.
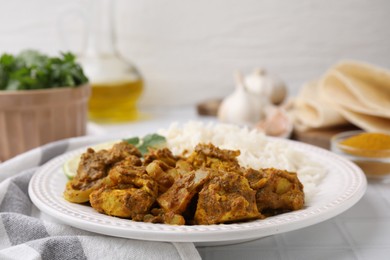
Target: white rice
<point>256,150</point>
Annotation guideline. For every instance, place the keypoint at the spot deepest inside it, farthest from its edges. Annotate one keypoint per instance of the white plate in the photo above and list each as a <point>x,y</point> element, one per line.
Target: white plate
<point>342,187</point>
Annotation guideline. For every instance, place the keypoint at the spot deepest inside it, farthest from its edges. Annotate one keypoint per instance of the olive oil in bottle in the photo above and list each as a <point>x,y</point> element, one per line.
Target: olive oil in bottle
<point>115,101</point>
<point>116,85</point>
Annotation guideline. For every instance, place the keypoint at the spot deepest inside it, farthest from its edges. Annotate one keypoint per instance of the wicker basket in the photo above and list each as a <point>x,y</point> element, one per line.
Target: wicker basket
<point>32,118</point>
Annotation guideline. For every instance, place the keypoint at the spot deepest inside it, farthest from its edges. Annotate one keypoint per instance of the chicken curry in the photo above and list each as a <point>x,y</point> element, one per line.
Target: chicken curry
<point>208,186</point>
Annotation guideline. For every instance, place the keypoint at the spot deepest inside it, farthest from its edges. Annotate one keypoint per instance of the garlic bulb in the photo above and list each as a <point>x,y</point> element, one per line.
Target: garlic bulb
<point>265,85</point>
<point>241,107</point>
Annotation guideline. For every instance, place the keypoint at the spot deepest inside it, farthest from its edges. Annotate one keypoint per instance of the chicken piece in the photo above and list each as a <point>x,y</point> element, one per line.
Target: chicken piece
<point>277,191</point>
<point>93,168</point>
<point>131,203</point>
<point>80,193</point>
<point>129,172</point>
<point>165,155</point>
<point>163,174</point>
<point>91,171</point>
<point>130,194</point>
<point>227,197</point>
<point>120,151</point>
<point>210,156</point>
<point>179,195</point>
<point>92,165</point>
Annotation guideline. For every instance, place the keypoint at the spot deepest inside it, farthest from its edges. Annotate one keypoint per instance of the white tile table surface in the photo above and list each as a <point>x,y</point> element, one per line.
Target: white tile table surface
<point>362,232</point>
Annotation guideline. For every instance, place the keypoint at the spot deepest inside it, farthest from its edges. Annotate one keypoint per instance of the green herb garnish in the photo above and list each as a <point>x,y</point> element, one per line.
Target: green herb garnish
<point>155,141</point>
<point>134,141</point>
<point>33,70</point>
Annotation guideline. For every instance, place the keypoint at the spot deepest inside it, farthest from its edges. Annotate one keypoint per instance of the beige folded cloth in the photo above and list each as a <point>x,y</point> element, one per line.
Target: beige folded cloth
<point>350,92</point>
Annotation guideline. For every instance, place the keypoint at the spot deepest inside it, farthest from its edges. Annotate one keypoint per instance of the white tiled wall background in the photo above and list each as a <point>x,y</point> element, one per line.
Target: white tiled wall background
<point>188,50</point>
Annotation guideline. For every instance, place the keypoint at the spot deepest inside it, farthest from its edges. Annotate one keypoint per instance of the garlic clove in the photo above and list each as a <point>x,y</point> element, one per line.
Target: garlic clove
<point>277,123</point>
<point>261,83</point>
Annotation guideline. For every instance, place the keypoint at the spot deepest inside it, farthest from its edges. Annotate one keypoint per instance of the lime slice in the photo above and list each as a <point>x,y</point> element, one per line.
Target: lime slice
<point>71,165</point>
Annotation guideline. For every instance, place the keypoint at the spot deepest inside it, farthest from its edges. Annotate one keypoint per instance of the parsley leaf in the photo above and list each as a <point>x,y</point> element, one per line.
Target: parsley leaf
<point>134,140</point>
<point>152,141</point>
<point>148,141</point>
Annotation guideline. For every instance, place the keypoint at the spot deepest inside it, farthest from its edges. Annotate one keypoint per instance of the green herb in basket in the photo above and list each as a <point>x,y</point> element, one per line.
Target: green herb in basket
<point>33,70</point>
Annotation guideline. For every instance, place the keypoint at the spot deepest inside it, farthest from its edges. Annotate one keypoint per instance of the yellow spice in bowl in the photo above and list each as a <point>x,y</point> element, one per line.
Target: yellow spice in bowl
<point>367,145</point>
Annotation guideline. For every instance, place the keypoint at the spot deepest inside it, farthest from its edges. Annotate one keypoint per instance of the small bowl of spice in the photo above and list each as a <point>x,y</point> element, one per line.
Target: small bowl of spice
<point>369,150</point>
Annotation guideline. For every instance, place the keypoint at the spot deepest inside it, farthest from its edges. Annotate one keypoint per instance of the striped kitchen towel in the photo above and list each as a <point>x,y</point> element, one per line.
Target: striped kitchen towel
<point>27,233</point>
